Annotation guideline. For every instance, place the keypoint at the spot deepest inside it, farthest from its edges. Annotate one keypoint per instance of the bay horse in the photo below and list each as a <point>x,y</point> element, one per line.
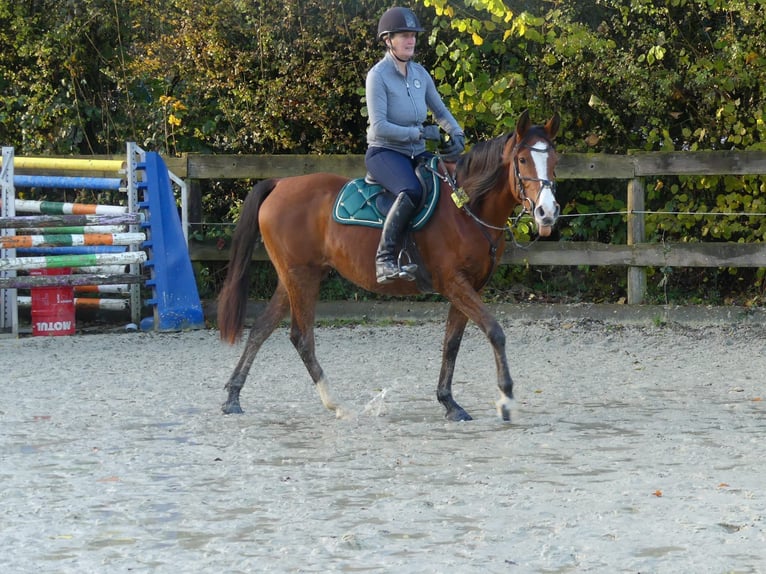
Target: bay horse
<point>459,248</point>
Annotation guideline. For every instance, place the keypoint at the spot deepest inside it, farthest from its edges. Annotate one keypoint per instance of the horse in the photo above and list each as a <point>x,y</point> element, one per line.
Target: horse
<point>459,248</point>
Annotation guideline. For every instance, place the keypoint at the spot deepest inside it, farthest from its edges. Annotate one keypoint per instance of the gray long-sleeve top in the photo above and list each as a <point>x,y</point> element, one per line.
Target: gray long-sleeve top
<point>397,106</point>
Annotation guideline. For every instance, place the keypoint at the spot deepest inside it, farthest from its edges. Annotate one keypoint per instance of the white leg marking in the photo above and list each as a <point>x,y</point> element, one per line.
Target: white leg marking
<point>504,404</point>
<point>327,400</point>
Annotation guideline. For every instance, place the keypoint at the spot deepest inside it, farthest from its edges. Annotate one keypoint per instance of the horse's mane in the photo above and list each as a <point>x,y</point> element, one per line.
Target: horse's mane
<point>479,170</point>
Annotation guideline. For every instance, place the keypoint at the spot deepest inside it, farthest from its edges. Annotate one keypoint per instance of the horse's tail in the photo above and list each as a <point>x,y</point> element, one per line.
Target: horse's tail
<point>232,300</point>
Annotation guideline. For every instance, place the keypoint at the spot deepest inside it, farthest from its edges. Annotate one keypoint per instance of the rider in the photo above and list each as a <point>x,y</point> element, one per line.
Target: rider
<point>399,95</point>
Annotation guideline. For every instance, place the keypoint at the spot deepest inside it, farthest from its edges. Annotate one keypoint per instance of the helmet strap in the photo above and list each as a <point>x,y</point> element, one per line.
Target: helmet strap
<point>397,57</point>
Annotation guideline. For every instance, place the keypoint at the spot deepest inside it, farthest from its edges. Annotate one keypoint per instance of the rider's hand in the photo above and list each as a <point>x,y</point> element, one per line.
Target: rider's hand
<point>430,133</point>
<point>455,146</point>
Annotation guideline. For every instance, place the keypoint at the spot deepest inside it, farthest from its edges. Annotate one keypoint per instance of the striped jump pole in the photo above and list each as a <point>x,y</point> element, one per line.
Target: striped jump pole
<point>79,280</point>
<point>123,289</point>
<point>24,221</point>
<point>62,208</point>
<point>55,240</point>
<point>60,261</point>
<point>86,303</point>
<point>73,230</point>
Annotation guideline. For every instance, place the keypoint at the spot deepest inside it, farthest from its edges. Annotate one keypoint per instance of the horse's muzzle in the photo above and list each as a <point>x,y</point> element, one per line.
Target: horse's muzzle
<point>546,218</point>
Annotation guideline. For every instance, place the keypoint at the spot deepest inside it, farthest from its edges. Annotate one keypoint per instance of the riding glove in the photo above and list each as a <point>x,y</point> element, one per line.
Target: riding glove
<point>430,133</point>
<point>455,146</point>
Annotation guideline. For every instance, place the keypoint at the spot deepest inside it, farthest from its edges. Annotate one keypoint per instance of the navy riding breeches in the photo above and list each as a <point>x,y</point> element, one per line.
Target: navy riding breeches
<point>394,171</point>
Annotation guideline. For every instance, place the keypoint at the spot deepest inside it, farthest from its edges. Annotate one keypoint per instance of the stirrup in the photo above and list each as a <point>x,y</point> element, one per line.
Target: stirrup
<point>406,270</point>
<point>397,274</point>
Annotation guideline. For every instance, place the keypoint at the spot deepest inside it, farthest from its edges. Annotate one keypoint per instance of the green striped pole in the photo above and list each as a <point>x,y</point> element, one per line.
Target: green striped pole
<point>59,261</point>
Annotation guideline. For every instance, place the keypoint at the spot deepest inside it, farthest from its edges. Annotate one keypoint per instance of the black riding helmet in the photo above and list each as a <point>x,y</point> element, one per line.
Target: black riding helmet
<point>398,19</point>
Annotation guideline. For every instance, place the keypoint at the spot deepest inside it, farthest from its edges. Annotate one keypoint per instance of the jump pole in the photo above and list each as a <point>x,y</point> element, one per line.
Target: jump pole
<point>22,222</point>
<point>62,208</point>
<point>69,164</point>
<point>61,261</point>
<point>25,301</point>
<point>64,182</point>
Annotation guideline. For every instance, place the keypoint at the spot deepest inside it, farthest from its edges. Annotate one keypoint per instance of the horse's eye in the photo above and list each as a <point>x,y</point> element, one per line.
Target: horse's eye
<point>522,160</point>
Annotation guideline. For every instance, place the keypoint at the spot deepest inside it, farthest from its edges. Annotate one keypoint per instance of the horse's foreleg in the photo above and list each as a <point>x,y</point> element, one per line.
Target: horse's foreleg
<point>496,337</point>
<point>453,336</point>
<point>263,327</point>
<point>468,301</point>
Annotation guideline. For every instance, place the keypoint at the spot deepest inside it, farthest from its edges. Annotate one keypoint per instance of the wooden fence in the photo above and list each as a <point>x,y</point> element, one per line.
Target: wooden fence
<point>636,255</point>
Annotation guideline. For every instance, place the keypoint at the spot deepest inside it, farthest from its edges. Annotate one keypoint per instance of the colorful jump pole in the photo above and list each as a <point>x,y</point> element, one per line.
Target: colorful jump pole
<point>23,222</point>
<point>59,208</point>
<point>20,241</point>
<point>61,261</point>
<point>86,303</point>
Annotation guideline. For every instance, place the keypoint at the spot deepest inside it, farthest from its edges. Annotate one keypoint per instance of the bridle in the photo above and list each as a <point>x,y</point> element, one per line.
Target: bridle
<point>527,203</point>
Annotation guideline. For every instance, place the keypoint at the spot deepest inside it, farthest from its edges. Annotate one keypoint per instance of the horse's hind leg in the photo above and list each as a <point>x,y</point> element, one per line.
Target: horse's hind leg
<point>263,327</point>
<point>303,311</point>
<point>453,336</point>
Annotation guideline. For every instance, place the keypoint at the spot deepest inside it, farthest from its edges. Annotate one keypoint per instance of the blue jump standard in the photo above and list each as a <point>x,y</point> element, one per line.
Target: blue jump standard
<point>175,300</point>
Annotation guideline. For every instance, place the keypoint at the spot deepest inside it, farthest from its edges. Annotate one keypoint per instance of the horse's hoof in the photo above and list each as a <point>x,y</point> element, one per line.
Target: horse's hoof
<point>458,415</point>
<point>505,413</point>
<point>505,407</point>
<point>232,409</point>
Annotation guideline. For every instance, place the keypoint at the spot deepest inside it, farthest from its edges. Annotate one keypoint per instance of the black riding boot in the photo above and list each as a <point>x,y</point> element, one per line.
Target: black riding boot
<point>386,260</point>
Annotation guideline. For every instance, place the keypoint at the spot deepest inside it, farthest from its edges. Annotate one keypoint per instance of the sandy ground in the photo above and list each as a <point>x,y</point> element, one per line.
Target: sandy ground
<point>634,449</point>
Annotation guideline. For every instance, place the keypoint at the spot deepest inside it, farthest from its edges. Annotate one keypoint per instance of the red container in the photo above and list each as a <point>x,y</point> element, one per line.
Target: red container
<point>52,307</point>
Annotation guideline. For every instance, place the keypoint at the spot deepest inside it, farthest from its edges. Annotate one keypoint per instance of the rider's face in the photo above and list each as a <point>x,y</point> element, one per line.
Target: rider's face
<point>403,44</point>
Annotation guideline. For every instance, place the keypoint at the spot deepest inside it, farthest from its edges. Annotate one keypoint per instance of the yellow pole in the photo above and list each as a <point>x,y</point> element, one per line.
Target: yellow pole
<point>69,164</point>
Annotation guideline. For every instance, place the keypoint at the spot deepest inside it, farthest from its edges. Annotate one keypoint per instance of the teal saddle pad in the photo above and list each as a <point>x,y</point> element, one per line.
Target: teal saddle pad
<point>356,202</point>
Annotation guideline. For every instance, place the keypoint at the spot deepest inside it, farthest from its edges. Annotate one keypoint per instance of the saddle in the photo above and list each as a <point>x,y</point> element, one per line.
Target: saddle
<point>364,202</point>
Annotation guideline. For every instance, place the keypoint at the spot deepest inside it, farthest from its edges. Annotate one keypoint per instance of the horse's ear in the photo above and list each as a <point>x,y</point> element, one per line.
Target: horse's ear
<point>522,125</point>
<point>552,126</point>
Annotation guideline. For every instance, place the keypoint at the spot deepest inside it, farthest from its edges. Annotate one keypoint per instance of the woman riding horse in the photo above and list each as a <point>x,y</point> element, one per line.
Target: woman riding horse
<point>400,93</point>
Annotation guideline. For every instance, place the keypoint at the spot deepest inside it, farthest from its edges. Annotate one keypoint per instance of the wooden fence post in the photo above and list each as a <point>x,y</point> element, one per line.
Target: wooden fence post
<point>636,235</point>
<point>194,187</point>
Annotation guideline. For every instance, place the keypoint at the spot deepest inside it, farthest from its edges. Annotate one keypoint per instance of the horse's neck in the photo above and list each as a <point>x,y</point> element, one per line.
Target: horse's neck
<point>498,207</point>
